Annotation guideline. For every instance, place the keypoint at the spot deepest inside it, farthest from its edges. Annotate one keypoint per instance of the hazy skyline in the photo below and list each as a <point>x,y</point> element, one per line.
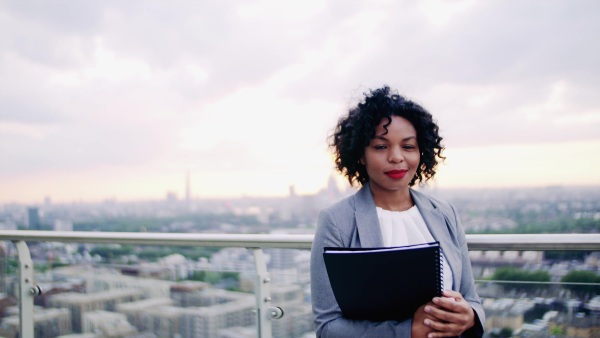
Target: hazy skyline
<point>113,99</point>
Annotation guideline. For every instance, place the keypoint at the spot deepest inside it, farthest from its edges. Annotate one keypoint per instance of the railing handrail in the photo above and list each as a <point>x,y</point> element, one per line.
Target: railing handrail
<point>255,242</point>
<point>479,242</point>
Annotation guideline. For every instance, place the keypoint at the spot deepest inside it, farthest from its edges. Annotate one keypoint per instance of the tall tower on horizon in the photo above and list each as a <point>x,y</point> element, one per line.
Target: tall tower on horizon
<point>33,218</point>
<point>188,189</point>
<point>332,186</point>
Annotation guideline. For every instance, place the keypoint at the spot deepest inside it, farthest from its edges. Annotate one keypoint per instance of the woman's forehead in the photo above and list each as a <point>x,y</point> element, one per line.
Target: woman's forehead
<point>394,124</point>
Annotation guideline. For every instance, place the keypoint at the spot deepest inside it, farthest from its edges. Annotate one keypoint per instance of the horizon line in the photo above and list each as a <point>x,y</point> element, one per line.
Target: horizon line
<point>259,196</point>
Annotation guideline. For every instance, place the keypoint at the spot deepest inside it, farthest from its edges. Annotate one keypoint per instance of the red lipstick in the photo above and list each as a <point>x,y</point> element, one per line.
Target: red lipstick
<point>396,174</point>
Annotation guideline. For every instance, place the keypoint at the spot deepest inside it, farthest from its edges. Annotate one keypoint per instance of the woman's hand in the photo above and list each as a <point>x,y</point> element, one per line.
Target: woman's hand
<point>419,329</point>
<point>452,315</point>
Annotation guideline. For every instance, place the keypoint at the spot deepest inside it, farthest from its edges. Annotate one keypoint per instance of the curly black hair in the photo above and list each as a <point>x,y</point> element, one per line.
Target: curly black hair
<point>354,132</point>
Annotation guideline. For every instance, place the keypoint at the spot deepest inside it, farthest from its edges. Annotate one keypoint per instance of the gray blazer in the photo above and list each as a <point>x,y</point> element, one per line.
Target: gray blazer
<point>353,222</point>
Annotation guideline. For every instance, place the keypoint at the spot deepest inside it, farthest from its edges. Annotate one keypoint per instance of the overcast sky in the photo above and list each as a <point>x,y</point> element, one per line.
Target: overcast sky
<point>119,99</point>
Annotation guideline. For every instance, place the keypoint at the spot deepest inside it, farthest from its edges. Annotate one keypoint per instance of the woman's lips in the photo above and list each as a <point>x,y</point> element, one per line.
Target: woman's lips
<point>396,174</point>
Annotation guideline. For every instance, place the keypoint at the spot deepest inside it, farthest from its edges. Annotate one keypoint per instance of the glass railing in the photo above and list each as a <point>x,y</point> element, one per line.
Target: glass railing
<point>139,293</point>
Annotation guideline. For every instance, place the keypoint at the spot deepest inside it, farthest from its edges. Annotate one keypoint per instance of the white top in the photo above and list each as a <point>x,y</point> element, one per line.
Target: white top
<point>399,228</point>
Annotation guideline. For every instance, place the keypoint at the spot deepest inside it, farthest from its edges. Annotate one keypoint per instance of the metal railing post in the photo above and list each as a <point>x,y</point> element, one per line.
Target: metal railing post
<point>27,290</point>
<point>262,291</point>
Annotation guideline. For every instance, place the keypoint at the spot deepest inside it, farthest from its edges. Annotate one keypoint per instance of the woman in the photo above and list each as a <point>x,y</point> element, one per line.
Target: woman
<point>387,144</point>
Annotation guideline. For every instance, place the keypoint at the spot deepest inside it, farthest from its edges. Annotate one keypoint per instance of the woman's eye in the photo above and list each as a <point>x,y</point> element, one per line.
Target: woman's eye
<point>408,146</point>
<point>380,147</point>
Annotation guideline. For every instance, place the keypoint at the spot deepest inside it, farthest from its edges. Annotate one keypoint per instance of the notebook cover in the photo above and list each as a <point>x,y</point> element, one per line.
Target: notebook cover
<point>384,285</point>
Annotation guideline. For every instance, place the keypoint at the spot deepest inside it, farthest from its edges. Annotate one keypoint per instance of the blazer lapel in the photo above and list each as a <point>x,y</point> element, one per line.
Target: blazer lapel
<point>369,230</point>
<point>436,223</point>
<point>367,223</point>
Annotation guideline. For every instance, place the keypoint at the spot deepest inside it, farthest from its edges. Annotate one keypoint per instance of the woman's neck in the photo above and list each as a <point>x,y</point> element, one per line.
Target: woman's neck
<point>393,200</point>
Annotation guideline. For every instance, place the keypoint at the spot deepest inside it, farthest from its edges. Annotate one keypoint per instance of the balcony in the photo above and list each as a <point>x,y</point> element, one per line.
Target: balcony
<point>273,302</point>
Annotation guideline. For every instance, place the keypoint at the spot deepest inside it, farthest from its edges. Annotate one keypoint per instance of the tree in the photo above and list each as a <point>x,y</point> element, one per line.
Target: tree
<point>517,275</point>
<point>557,331</point>
<point>505,332</point>
<point>582,276</point>
<point>215,277</point>
<point>110,252</point>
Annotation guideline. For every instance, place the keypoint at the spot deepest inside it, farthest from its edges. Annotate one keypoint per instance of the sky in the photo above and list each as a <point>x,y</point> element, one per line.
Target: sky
<point>121,99</point>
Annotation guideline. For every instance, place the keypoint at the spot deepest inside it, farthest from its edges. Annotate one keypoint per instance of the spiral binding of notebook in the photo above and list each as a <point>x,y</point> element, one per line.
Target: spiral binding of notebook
<point>440,278</point>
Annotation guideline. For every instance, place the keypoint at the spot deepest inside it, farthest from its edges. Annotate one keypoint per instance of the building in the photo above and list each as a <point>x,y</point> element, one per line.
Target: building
<point>163,321</point>
<point>6,302</point>
<point>577,325</point>
<point>99,280</point>
<point>506,313</point>
<point>134,311</point>
<point>65,286</point>
<point>81,303</point>
<point>107,324</point>
<point>232,259</point>
<point>219,309</point>
<point>208,321</point>
<point>238,332</point>
<point>33,219</point>
<point>188,294</point>
<point>281,259</point>
<point>298,316</point>
<point>48,323</point>
<point>62,225</point>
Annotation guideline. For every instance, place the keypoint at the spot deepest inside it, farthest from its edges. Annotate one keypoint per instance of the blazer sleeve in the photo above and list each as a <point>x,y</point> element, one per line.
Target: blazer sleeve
<point>467,282</point>
<point>328,317</point>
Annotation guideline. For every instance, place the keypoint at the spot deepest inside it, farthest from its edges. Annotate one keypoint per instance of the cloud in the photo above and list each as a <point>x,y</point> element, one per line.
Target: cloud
<point>201,84</point>
<point>77,146</point>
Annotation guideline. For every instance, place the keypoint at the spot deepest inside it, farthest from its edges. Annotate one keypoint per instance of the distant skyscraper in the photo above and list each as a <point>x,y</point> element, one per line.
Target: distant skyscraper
<point>188,189</point>
<point>171,197</point>
<point>332,186</point>
<point>33,218</point>
<point>63,225</point>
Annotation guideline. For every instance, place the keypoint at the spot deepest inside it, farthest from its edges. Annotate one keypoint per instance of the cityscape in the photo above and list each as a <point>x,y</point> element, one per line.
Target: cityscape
<point>105,104</point>
<point>142,291</point>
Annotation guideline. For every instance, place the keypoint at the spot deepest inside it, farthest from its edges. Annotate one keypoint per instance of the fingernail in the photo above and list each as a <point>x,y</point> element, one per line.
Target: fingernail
<point>427,309</point>
<point>436,300</point>
<point>427,322</point>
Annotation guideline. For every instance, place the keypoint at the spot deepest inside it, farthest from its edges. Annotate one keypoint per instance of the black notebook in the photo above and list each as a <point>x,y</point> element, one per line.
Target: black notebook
<point>380,284</point>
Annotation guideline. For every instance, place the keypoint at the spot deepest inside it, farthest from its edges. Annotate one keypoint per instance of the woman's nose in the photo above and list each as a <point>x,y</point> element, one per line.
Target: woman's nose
<point>396,155</point>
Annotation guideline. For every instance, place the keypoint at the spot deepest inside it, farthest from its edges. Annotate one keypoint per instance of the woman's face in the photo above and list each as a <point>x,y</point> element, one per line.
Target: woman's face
<point>392,158</point>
